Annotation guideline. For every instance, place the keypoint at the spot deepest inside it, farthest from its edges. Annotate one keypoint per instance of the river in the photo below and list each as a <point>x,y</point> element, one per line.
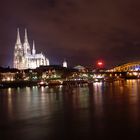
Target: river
<point>99,111</point>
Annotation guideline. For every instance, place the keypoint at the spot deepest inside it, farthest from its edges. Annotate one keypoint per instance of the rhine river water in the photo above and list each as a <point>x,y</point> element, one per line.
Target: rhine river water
<point>99,111</point>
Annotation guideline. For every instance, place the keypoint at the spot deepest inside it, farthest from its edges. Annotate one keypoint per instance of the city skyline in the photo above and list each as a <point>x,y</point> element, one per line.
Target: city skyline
<point>80,31</point>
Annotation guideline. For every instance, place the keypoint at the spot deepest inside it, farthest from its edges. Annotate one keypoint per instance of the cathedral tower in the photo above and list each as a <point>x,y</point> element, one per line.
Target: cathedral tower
<point>18,53</point>
<point>26,45</point>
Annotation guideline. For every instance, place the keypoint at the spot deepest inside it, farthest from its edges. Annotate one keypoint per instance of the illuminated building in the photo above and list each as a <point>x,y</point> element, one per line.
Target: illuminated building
<point>65,64</point>
<point>24,57</point>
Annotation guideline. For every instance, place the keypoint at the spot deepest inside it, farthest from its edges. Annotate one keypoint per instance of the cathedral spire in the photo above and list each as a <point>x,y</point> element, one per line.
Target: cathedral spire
<point>33,50</point>
<point>18,52</point>
<point>26,45</point>
<point>26,36</point>
<point>18,37</point>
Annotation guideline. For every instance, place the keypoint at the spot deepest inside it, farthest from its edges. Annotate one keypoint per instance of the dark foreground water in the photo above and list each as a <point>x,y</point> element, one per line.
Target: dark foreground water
<point>108,111</point>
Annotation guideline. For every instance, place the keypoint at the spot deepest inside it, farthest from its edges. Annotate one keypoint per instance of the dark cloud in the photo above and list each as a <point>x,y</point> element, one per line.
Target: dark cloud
<point>78,30</point>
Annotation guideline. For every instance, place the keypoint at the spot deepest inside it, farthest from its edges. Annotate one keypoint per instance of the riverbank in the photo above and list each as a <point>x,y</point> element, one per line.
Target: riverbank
<point>6,84</point>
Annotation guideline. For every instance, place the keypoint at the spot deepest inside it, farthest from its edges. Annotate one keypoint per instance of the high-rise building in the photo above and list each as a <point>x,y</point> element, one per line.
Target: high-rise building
<point>24,57</point>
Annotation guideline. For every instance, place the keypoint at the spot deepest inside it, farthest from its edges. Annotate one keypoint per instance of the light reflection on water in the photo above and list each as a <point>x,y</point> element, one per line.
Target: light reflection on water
<point>94,111</point>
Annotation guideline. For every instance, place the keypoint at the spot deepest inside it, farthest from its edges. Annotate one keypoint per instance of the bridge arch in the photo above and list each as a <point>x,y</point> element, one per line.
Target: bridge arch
<point>132,66</point>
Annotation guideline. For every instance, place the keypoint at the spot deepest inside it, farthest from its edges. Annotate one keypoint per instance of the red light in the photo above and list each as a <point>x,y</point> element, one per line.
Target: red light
<point>100,64</point>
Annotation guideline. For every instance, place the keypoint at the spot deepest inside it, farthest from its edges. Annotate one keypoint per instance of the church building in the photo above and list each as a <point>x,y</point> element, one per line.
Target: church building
<point>25,57</point>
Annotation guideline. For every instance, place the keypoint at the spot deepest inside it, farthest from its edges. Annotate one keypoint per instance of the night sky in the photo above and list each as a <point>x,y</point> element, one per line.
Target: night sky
<point>80,31</point>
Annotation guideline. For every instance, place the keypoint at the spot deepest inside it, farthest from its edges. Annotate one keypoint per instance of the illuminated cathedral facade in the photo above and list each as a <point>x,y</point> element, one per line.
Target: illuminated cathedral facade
<point>26,57</point>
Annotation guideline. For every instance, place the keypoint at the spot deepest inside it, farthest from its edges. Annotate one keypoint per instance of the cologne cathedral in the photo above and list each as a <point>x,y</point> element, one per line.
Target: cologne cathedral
<point>25,57</point>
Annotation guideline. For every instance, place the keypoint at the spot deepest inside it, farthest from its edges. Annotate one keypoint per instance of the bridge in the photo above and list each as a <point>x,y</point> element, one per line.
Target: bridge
<point>128,67</point>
